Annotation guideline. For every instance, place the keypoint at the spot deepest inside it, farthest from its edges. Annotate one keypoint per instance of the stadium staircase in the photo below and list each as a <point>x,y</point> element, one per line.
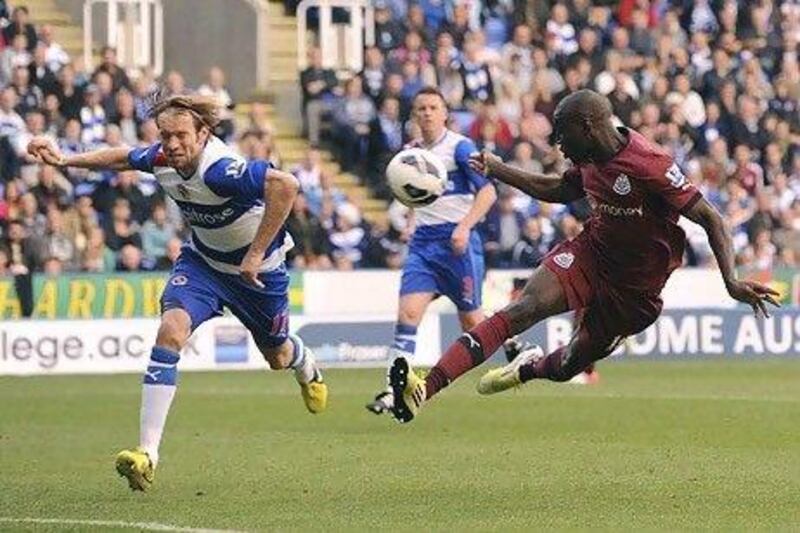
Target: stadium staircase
<point>68,32</point>
<point>284,76</point>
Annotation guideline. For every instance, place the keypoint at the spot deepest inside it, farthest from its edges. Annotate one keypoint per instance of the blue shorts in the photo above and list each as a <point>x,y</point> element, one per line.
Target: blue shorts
<point>202,292</point>
<point>432,266</point>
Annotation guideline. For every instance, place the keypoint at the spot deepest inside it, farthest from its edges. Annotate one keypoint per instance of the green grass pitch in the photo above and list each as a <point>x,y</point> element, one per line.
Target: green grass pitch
<point>656,445</point>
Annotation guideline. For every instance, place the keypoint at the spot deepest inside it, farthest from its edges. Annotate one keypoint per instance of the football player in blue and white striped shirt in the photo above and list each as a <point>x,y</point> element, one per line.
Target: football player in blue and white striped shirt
<point>445,256</point>
<point>234,258</point>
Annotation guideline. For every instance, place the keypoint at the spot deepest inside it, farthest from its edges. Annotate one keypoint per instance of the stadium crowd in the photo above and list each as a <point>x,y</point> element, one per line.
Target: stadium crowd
<point>717,83</point>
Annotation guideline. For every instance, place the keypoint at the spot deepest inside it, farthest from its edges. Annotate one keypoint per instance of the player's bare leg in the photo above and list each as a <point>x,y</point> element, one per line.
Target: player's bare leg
<point>411,309</point>
<point>158,390</point>
<point>295,355</point>
<point>542,297</point>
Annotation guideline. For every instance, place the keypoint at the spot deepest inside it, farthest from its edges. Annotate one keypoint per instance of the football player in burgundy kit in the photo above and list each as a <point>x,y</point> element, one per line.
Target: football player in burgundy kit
<point>612,273</point>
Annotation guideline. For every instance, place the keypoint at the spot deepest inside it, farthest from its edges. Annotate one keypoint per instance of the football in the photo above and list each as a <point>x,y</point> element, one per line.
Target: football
<point>416,177</point>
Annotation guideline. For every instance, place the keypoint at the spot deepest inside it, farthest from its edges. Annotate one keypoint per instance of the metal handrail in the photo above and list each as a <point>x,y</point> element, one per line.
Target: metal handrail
<point>153,48</point>
<point>362,29</point>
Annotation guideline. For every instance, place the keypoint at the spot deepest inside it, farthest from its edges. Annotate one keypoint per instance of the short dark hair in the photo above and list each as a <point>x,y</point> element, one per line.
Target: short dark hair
<point>430,90</point>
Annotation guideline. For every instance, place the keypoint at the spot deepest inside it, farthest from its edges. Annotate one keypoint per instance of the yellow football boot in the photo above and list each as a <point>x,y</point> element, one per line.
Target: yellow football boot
<point>507,377</point>
<point>136,466</point>
<point>408,389</point>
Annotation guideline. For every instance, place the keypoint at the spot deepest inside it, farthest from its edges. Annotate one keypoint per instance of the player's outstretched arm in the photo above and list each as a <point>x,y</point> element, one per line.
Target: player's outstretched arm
<point>107,158</point>
<point>280,191</point>
<point>548,188</point>
<point>750,292</point>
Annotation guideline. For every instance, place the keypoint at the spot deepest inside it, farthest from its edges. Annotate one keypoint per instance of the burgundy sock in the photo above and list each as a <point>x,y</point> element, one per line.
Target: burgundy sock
<point>470,350</point>
<point>545,368</point>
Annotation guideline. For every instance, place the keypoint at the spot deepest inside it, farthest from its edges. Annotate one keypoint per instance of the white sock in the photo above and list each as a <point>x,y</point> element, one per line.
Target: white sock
<point>158,390</point>
<point>304,368</point>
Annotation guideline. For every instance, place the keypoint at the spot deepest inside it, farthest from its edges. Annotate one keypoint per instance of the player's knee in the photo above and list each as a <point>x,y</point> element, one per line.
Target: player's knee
<point>173,331</point>
<point>409,315</point>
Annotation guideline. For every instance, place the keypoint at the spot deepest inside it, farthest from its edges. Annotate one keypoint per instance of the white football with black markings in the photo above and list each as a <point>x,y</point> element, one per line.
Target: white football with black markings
<point>416,177</point>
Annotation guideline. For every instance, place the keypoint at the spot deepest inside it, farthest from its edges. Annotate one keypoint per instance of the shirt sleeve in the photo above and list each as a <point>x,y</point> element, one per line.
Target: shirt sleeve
<point>236,178</point>
<point>463,151</point>
<point>670,183</point>
<point>144,159</point>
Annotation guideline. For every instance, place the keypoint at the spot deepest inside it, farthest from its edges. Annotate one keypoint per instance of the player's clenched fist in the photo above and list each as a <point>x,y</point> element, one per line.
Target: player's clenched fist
<point>483,161</point>
<point>43,150</point>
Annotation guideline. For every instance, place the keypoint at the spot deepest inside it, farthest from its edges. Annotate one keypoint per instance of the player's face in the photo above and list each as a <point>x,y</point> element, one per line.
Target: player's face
<point>181,141</point>
<point>430,114</point>
<point>573,139</point>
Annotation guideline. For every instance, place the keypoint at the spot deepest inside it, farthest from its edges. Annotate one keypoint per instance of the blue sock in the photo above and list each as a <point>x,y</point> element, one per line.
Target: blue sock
<point>163,369</point>
<point>158,390</point>
<point>405,341</point>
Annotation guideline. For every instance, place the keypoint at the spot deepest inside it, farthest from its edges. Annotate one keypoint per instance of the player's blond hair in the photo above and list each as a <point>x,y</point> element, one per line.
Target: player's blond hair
<point>205,110</point>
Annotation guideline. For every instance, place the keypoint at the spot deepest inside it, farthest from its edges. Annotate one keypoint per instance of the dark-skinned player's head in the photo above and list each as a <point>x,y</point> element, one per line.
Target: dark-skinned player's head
<point>580,120</point>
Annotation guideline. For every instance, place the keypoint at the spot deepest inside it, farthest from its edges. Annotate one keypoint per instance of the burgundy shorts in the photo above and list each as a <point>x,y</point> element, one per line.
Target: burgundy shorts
<point>608,312</point>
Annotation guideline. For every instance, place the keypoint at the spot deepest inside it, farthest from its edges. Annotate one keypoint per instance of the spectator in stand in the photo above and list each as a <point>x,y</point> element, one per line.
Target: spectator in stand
<point>374,72</point>
<point>30,217</point>
<point>125,185</point>
<point>386,139</point>
<point>54,53</point>
<point>518,50</point>
<point>416,22</point>
<point>30,97</point>
<point>504,225</point>
<point>561,31</point>
<point>93,118</point>
<point>157,231</point>
<point>20,26</point>
<point>532,247</point>
<point>97,257</point>
<point>14,56</point>
<point>747,173</point>
<point>319,85</point>
<point>352,118</point>
<point>311,247</point>
<point>309,170</point>
<point>389,31</point>
<point>478,86</point>
<point>412,50</point>
<point>173,251</point>
<point>124,117</point>
<point>349,239</point>
<point>110,66</point>
<point>130,259</point>
<point>23,257</point>
<point>458,24</point>
<point>215,86</point>
<point>120,229</point>
<point>40,73</point>
<point>79,220</point>
<point>55,243</point>
<point>69,93</point>
<point>52,191</point>
<point>174,84</point>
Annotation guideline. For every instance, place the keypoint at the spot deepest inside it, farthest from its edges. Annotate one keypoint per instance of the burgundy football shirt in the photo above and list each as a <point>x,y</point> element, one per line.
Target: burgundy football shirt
<point>636,200</point>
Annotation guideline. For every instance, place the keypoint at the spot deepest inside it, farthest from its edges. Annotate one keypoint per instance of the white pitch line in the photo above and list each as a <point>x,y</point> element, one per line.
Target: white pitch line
<point>145,526</point>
